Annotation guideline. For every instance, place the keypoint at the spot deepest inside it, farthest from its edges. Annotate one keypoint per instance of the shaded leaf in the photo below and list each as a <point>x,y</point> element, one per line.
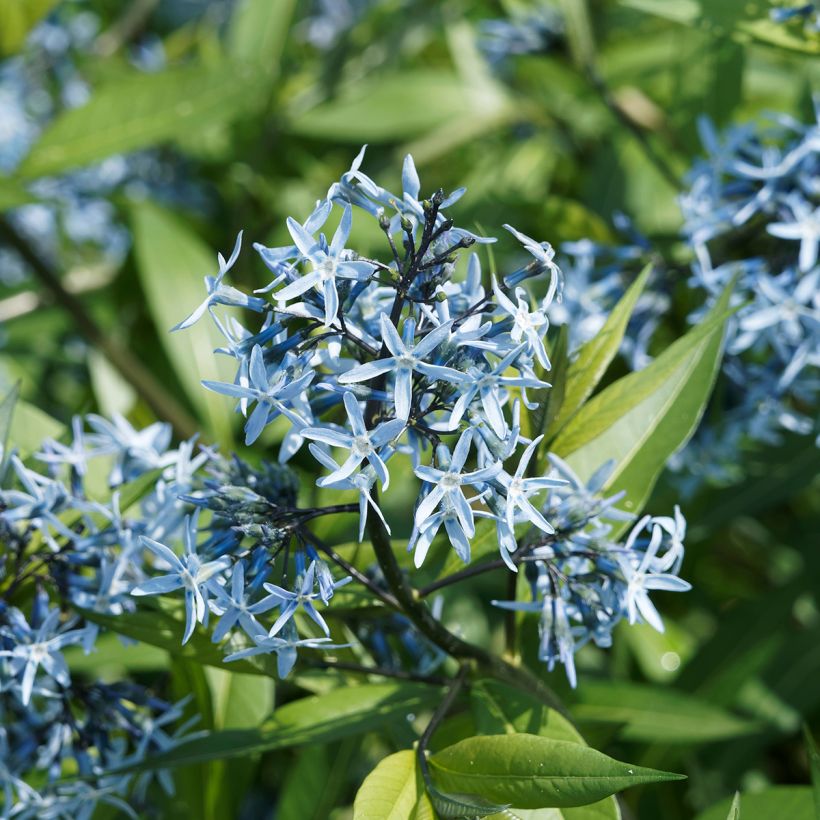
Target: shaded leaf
<point>652,713</point>
<point>324,718</point>
<point>792,802</point>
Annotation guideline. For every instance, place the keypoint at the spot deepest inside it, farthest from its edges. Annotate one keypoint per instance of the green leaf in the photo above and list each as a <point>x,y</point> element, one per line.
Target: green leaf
<point>642,419</point>
<point>383,108</point>
<point>258,33</point>
<point>394,790</point>
<point>341,713</point>
<point>7,405</point>
<point>29,426</point>
<point>656,714</point>
<point>595,356</point>
<point>502,709</point>
<point>160,622</point>
<point>240,701</point>
<point>734,810</point>
<point>792,802</point>
<point>168,251</point>
<point>11,194</point>
<point>535,772</point>
<point>814,765</point>
<point>137,110</point>
<point>18,18</point>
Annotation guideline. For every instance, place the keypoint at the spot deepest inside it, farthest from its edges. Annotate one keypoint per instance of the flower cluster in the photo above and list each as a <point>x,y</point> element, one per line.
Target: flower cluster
<point>406,371</point>
<point>534,31</point>
<point>753,212</point>
<point>409,361</point>
<point>58,535</point>
<point>583,582</point>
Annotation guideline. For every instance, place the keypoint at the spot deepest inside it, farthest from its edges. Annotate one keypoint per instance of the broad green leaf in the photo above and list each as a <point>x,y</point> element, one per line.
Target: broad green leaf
<point>792,802</point>
<point>642,419</point>
<point>392,791</point>
<point>17,18</point>
<point>386,107</point>
<point>656,714</point>
<point>594,357</point>
<point>138,110</point>
<point>534,772</point>
<point>501,709</point>
<point>113,393</point>
<point>258,32</point>
<point>172,263</point>
<point>160,622</point>
<point>341,713</point>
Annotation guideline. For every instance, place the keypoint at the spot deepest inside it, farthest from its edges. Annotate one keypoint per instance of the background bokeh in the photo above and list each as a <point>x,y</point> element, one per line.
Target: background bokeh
<point>137,139</point>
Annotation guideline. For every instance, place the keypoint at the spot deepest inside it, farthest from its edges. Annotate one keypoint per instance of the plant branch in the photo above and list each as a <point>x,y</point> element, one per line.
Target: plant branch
<point>441,712</point>
<point>131,368</point>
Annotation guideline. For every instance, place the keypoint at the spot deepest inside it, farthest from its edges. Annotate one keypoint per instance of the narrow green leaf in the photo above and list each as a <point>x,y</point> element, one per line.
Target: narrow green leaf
<point>137,110</point>
<point>642,419</point>
<point>7,405</point>
<point>792,802</point>
<point>383,108</point>
<point>656,714</point>
<point>535,772</point>
<point>172,263</point>
<point>814,765</point>
<point>594,357</point>
<point>18,17</point>
<point>13,195</point>
<point>392,791</point>
<point>341,713</point>
<point>29,426</point>
<point>734,811</point>
<point>240,701</point>
<point>161,623</point>
<point>258,33</point>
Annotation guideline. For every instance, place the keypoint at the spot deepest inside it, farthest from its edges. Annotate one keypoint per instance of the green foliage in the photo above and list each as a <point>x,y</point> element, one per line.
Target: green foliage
<point>535,772</point>
<point>794,802</point>
<point>136,110</point>
<point>18,18</point>
<point>645,417</point>
<point>166,248</point>
<point>341,713</point>
<point>394,790</point>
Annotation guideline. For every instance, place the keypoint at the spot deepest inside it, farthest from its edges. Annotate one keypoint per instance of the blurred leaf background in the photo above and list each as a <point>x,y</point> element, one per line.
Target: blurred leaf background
<point>157,131</point>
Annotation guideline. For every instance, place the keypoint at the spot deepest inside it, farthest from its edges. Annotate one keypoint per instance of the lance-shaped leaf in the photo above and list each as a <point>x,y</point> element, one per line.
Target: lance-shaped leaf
<point>533,772</point>
<point>137,110</point>
<point>642,419</point>
<point>341,713</point>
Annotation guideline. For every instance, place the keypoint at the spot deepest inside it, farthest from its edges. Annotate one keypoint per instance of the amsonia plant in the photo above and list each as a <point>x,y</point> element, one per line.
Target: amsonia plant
<point>413,373</point>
